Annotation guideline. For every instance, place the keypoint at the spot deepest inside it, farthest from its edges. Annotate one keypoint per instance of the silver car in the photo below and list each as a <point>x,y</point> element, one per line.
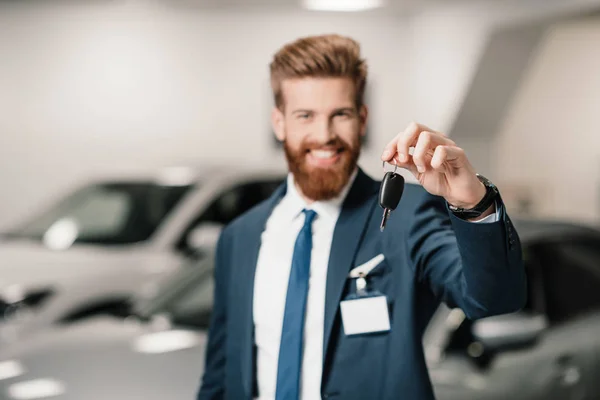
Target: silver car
<point>115,237</point>
<point>550,350</point>
<point>155,352</point>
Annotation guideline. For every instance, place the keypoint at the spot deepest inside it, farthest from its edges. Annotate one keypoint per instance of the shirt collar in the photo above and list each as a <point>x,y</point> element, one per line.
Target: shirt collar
<point>330,209</point>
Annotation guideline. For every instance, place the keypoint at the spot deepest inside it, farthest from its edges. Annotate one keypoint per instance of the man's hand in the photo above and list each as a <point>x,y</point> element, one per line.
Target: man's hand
<point>438,163</point>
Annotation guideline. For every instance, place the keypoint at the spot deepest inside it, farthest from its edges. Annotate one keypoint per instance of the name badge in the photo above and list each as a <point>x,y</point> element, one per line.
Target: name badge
<point>365,311</point>
<point>365,315</point>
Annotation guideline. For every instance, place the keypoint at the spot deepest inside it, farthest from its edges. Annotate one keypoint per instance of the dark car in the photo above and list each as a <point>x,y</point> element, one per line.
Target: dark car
<point>549,350</point>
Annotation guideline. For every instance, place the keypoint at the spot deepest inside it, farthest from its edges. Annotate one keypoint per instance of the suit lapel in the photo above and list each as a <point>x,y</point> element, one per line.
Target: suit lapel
<point>247,259</point>
<point>347,235</point>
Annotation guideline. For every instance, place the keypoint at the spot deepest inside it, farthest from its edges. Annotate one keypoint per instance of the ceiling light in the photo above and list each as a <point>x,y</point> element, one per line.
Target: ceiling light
<point>342,5</point>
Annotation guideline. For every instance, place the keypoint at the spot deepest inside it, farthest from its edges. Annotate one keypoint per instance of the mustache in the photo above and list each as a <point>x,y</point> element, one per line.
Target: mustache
<point>333,144</point>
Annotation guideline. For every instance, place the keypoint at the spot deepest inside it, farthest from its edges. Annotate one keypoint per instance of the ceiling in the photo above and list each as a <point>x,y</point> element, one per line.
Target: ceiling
<point>512,8</point>
<point>392,5</point>
<point>398,7</point>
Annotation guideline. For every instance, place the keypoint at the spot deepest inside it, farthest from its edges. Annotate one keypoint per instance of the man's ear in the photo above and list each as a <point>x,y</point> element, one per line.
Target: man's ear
<point>278,123</point>
<point>363,114</point>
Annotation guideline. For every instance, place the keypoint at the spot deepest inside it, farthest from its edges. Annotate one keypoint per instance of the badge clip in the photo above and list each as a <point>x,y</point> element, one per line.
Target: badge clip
<point>361,285</point>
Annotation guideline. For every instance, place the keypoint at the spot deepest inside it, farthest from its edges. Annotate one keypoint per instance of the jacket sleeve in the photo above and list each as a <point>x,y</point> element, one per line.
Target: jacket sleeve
<point>212,385</point>
<point>477,267</point>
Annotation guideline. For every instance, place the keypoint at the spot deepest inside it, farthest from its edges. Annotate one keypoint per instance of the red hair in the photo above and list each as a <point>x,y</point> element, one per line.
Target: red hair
<point>324,56</point>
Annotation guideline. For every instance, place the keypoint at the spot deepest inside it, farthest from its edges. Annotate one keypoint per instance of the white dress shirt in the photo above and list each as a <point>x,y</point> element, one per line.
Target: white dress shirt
<point>271,282</point>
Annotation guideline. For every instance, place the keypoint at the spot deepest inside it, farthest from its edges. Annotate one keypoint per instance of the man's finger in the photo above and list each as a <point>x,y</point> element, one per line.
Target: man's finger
<point>438,161</point>
<point>425,148</point>
<point>422,153</point>
<point>409,165</point>
<point>410,137</point>
<point>389,152</point>
<point>407,139</point>
<point>399,147</point>
<point>446,157</point>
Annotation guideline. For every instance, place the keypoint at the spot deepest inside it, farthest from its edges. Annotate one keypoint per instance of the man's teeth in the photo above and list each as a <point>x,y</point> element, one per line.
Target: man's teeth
<point>323,153</point>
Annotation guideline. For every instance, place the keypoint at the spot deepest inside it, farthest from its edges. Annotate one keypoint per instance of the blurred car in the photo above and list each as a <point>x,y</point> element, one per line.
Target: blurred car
<point>153,350</point>
<point>117,236</point>
<point>550,350</point>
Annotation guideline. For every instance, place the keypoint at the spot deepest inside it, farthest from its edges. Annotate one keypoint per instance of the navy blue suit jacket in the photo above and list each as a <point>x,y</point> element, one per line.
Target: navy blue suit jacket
<point>430,256</point>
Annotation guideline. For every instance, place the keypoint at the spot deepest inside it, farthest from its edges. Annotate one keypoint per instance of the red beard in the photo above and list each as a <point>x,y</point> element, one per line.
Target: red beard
<point>322,183</point>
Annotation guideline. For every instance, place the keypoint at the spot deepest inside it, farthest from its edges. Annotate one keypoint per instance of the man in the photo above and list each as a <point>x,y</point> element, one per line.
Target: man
<point>312,300</point>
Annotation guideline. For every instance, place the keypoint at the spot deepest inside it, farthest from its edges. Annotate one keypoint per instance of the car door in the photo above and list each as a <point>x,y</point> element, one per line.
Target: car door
<point>561,364</point>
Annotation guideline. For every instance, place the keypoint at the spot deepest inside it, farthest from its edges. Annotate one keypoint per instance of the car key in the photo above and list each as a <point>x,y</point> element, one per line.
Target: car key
<point>390,192</point>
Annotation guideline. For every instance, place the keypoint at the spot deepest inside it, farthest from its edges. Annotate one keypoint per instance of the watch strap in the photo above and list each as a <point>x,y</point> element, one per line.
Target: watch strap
<point>489,198</point>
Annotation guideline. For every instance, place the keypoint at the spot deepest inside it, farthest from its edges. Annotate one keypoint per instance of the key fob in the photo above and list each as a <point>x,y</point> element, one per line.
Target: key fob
<point>390,192</point>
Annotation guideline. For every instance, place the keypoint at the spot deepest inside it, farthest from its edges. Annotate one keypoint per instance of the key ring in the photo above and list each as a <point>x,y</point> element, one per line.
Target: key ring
<point>395,166</point>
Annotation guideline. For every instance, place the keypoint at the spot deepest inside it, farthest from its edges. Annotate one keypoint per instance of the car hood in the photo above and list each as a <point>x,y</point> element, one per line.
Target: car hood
<point>30,264</point>
<point>108,358</point>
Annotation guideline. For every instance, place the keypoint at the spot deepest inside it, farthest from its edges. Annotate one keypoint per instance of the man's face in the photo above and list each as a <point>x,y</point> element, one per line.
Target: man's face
<point>320,127</point>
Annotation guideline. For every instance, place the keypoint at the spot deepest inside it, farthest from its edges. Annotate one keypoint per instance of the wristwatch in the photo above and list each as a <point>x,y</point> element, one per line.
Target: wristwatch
<point>491,194</point>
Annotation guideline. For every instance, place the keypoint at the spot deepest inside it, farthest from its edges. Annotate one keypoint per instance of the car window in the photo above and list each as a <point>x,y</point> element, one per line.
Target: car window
<point>185,296</point>
<point>106,213</point>
<point>194,307</point>
<point>237,201</point>
<point>231,204</point>
<point>572,279</point>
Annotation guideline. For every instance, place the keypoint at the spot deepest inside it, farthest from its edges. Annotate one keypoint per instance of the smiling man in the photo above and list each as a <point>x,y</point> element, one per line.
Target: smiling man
<point>312,301</point>
<point>320,160</point>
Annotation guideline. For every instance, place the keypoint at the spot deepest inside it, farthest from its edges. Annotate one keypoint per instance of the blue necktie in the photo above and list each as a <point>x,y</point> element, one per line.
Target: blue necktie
<point>290,349</point>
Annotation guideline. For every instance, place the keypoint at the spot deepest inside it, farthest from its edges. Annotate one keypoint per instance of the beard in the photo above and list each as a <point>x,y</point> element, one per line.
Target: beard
<point>322,183</point>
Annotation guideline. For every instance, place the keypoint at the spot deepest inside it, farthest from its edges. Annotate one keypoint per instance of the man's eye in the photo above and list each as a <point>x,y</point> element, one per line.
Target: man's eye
<point>304,116</point>
<point>342,114</point>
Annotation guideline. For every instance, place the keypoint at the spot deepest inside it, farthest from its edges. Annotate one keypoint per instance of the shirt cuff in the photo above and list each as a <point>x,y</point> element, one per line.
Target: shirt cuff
<point>494,217</point>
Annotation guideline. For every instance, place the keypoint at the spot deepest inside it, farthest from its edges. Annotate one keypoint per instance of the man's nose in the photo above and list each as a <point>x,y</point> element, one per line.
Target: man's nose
<point>323,131</point>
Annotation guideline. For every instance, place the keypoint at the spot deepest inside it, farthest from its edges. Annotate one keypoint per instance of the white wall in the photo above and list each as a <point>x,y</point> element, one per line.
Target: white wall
<point>109,85</point>
<point>446,45</point>
<point>448,41</point>
<point>106,84</point>
<point>550,139</point>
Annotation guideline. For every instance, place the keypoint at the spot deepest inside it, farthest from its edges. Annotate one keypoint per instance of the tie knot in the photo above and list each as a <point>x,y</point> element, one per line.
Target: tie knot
<point>309,216</point>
